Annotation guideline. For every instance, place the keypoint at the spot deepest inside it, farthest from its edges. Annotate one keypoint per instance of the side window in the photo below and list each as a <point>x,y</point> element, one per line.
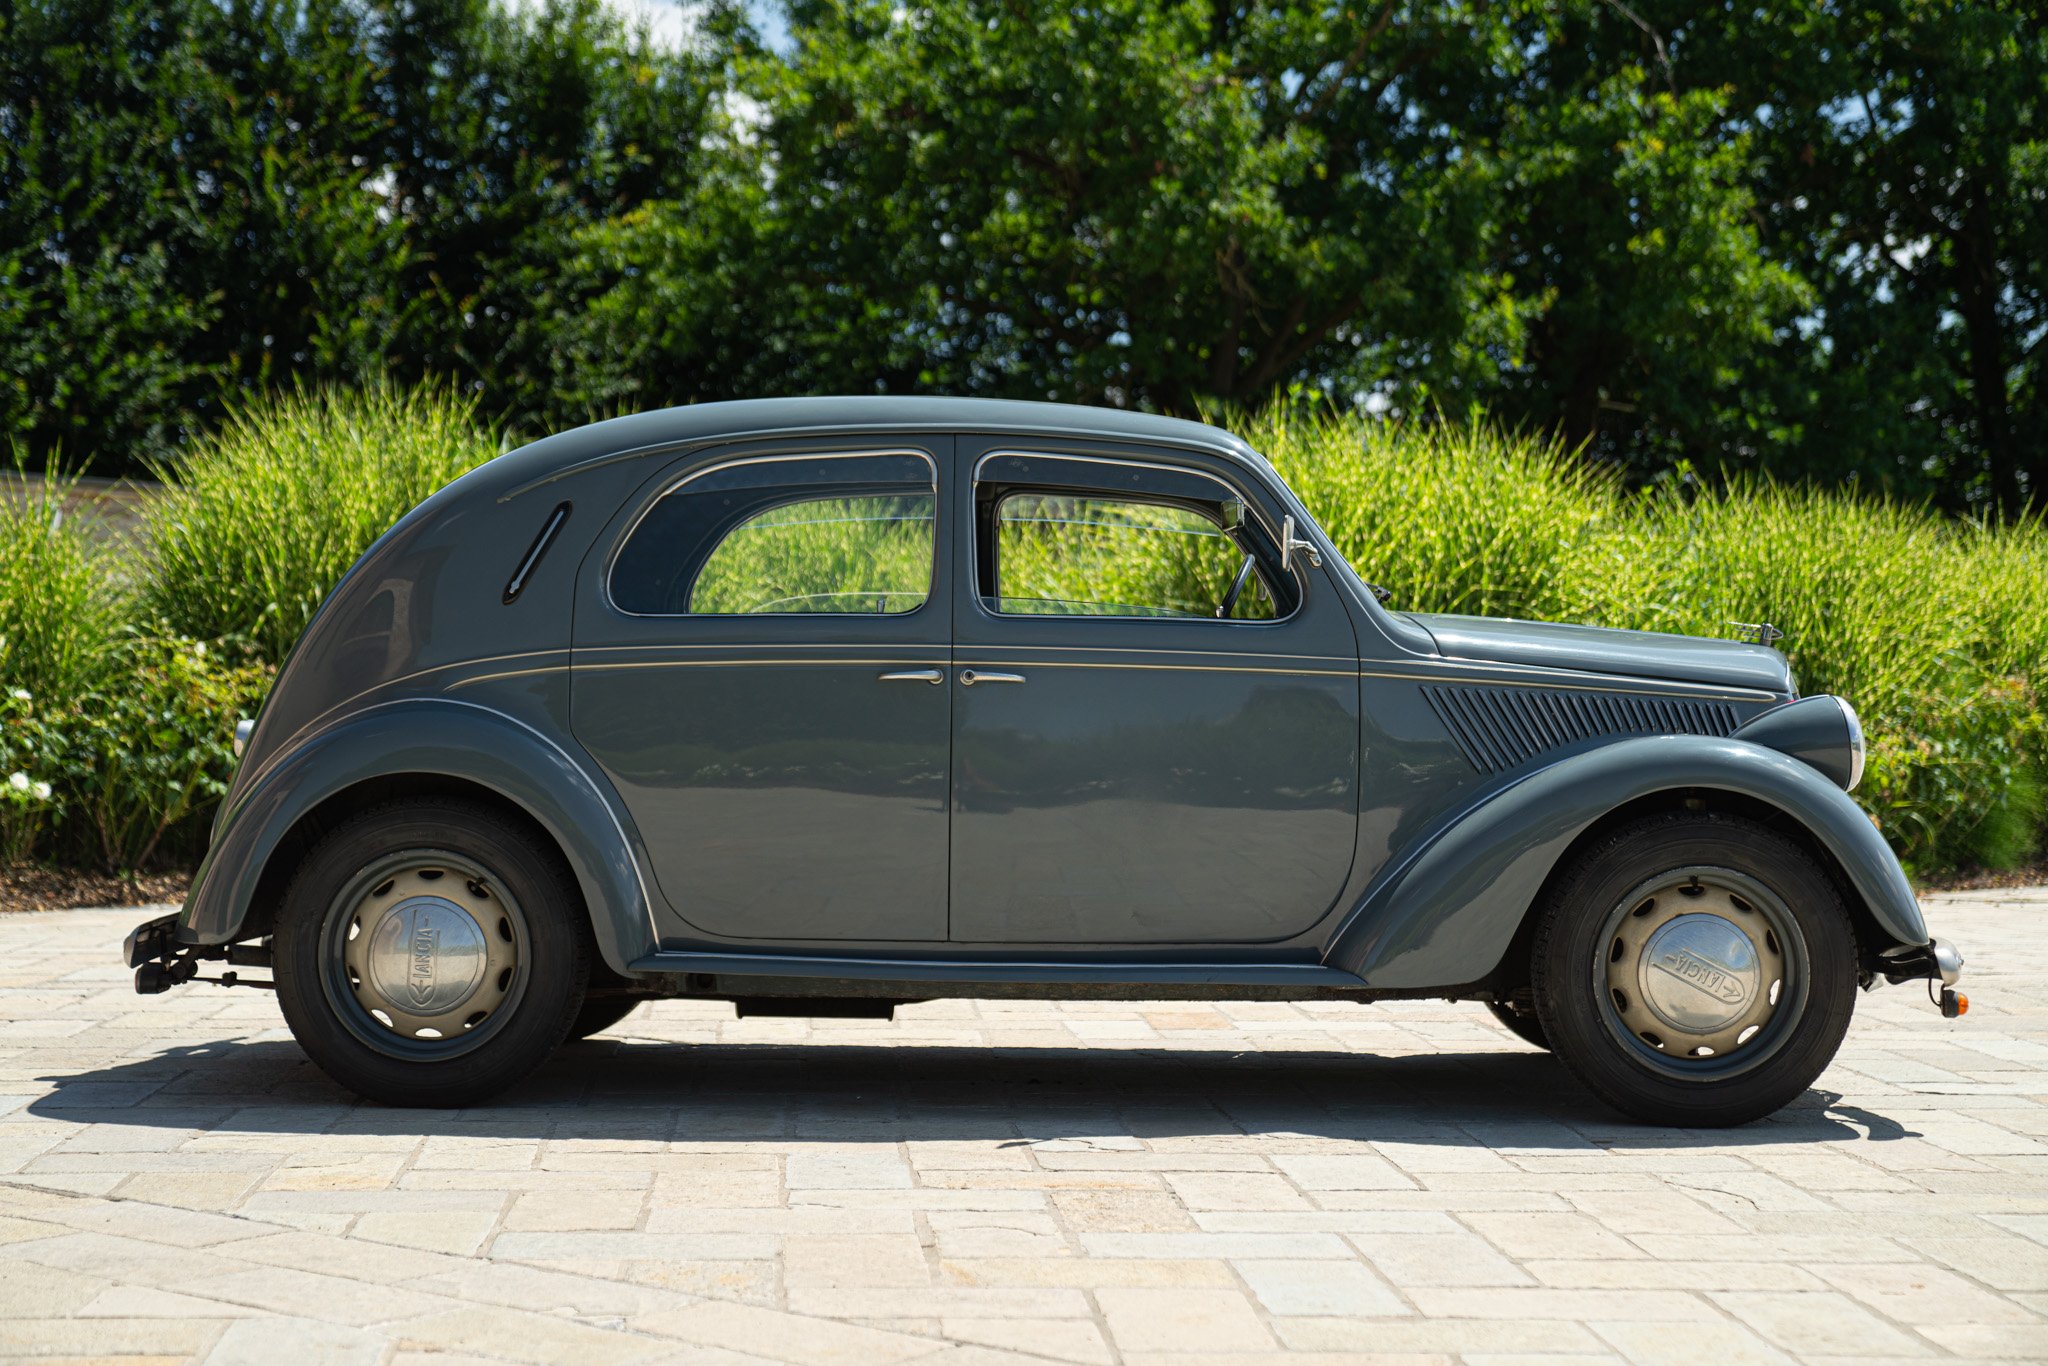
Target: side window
<point>1085,554</point>
<point>839,535</point>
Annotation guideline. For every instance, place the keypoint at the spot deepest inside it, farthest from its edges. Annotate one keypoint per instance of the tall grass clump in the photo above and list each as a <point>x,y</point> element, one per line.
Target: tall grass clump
<point>1464,518</point>
<point>262,518</point>
<point>61,608</point>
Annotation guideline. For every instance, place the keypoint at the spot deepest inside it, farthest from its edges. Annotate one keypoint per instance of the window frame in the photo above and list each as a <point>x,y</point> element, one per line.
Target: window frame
<point>1262,565</point>
<point>808,493</point>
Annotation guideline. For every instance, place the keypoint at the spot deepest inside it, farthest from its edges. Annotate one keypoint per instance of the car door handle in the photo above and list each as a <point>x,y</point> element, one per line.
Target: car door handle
<point>970,677</point>
<point>932,676</point>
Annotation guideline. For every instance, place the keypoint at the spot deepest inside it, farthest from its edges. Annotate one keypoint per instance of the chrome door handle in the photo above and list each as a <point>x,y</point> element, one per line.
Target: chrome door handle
<point>932,676</point>
<point>970,677</point>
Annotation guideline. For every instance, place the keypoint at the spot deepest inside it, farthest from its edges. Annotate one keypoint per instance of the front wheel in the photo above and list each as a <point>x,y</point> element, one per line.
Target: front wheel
<point>431,952</point>
<point>1695,970</point>
<point>1520,1020</point>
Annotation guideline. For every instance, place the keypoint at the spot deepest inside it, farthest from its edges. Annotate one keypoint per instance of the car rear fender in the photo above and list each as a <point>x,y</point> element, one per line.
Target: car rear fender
<point>1446,914</point>
<point>429,738</point>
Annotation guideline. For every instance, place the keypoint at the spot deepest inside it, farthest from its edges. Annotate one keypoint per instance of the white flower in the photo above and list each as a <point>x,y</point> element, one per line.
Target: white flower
<point>21,694</point>
<point>19,782</point>
<point>42,791</point>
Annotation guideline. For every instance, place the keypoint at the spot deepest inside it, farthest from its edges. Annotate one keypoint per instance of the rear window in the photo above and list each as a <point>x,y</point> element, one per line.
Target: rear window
<point>835,535</point>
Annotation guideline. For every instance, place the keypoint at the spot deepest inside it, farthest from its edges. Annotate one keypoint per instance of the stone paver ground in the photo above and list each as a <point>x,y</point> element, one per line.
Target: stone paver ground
<point>1012,1182</point>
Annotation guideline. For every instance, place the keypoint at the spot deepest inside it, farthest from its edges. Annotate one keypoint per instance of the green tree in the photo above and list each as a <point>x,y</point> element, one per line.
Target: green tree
<point>180,212</point>
<point>1904,171</point>
<point>505,133</point>
<point>1178,205</point>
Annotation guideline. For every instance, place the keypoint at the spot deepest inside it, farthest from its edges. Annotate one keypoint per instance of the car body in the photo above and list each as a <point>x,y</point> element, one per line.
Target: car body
<point>825,704</point>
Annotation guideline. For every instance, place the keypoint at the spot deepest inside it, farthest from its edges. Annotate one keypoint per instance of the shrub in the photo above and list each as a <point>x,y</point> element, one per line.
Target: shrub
<point>262,518</point>
<point>29,750</point>
<point>142,766</point>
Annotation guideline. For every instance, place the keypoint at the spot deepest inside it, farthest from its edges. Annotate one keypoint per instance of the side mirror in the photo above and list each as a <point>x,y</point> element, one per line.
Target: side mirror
<point>1289,543</point>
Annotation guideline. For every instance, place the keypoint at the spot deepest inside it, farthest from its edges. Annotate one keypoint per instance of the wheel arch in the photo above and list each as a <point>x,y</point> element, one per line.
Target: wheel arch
<point>428,748</point>
<point>1513,970</point>
<point>1456,913</point>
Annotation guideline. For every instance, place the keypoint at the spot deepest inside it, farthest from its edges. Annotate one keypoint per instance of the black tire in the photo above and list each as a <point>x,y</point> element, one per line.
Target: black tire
<point>513,870</point>
<point>1523,1024</point>
<point>600,1013</point>
<point>1583,926</point>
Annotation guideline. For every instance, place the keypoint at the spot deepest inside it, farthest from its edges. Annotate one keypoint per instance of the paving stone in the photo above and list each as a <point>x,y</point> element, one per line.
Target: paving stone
<point>1653,1343</point>
<point>1315,1287</point>
<point>1439,1259</point>
<point>301,1341</point>
<point>787,1337</point>
<point>510,1335</point>
<point>1155,1319</point>
<point>996,1183</point>
<point>1812,1324</point>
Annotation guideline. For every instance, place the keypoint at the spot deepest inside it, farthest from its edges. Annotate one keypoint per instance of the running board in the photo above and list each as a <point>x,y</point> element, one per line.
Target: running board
<point>1008,971</point>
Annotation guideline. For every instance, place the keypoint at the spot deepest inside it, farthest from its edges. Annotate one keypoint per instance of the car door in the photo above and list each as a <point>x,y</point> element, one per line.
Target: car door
<point>1127,766</point>
<point>761,644</point>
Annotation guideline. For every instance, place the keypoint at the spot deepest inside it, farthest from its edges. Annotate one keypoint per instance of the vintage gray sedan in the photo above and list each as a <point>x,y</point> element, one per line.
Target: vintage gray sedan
<point>821,706</point>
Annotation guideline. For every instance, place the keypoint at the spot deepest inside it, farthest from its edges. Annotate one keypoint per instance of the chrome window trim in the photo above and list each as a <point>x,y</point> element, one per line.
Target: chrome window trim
<point>1251,508</point>
<point>781,457</point>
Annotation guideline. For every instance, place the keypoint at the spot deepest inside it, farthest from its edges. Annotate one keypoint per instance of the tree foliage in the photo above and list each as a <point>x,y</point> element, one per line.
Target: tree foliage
<point>1808,237</point>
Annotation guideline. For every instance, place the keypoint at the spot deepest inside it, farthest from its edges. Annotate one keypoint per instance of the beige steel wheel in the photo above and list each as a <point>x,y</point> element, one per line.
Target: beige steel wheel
<point>430,951</point>
<point>1694,968</point>
<point>1697,963</point>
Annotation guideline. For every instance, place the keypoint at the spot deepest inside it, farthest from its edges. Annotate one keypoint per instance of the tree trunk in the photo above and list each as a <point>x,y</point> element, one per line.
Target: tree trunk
<point>1979,296</point>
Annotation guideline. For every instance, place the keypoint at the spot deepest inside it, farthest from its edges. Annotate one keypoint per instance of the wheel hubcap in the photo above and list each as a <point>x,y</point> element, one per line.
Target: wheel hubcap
<point>428,954</point>
<point>1698,968</point>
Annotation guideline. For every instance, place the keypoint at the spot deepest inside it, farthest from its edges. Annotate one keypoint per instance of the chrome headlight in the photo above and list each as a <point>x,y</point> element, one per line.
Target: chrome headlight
<point>1821,731</point>
<point>1856,747</point>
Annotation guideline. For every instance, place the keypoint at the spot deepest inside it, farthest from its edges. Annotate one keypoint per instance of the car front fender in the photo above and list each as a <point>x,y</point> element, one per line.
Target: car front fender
<point>433,737</point>
<point>1446,914</point>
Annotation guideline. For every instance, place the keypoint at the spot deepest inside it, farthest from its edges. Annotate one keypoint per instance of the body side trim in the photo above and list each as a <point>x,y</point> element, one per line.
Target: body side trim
<point>994,970</point>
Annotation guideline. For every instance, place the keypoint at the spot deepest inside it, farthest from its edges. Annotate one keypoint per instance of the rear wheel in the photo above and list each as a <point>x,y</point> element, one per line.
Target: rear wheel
<point>431,952</point>
<point>1695,969</point>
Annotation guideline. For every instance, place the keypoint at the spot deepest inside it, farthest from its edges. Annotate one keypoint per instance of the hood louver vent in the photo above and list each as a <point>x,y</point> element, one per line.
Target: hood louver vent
<point>1502,728</point>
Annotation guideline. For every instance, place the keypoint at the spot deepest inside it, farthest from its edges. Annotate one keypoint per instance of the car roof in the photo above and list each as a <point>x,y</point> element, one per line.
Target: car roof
<point>667,428</point>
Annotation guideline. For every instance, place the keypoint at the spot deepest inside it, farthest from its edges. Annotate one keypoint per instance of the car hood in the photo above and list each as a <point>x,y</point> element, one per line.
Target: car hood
<point>1633,654</point>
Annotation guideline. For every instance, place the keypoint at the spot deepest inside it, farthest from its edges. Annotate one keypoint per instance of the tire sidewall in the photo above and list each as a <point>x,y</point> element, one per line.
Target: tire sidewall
<point>1568,944</point>
<point>557,944</point>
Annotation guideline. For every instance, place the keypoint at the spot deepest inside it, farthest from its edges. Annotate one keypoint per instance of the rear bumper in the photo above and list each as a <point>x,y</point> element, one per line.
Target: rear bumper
<point>1936,960</point>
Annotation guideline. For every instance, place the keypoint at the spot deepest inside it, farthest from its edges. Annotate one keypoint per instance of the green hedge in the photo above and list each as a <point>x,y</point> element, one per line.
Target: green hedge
<point>136,658</point>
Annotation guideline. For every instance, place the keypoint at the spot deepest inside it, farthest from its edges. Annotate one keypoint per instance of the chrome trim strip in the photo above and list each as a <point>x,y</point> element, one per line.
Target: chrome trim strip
<point>1251,508</point>
<point>1166,668</point>
<point>611,560</point>
<point>291,742</point>
<point>1433,671</point>
<point>1858,751</point>
<point>1231,448</point>
<point>516,585</point>
<point>970,969</point>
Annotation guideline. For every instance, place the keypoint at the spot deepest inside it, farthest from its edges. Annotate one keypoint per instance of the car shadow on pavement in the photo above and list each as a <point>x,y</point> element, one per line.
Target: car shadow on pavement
<point>813,1092</point>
